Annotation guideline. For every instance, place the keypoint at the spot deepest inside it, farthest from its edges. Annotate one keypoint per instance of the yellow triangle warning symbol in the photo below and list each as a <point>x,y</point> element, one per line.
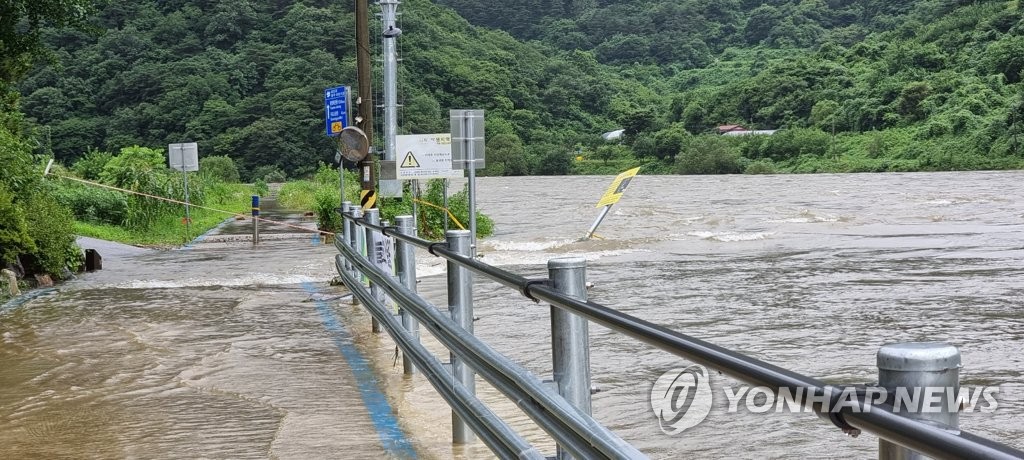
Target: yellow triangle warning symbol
<point>410,161</point>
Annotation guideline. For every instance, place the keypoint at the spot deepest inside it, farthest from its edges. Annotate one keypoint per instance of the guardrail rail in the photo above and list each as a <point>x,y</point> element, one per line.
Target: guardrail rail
<point>565,413</point>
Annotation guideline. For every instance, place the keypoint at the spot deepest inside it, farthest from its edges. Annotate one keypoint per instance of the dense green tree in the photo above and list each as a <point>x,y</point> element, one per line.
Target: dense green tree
<point>219,168</point>
<point>21,25</point>
<point>244,79</point>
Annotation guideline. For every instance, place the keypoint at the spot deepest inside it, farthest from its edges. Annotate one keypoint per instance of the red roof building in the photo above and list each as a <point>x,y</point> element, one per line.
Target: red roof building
<point>729,128</point>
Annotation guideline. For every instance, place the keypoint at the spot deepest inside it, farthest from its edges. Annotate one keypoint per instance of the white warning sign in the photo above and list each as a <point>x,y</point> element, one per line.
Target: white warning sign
<point>425,156</point>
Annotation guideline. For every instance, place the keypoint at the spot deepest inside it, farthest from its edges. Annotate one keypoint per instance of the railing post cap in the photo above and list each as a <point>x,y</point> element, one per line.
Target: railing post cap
<point>918,356</point>
<point>457,233</point>
<point>563,263</point>
<point>372,212</point>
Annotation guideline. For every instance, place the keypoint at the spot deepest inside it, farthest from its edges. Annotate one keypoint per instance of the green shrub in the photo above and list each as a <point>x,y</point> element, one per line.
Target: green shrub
<point>791,143</point>
<point>326,204</point>
<point>90,166</point>
<point>92,204</point>
<point>297,195</point>
<point>708,155</point>
<point>219,168</point>
<point>14,236</point>
<point>17,169</point>
<point>269,173</point>
<point>325,174</point>
<point>123,169</point>
<point>431,219</point>
<point>52,228</point>
<point>762,166</point>
<point>261,187</point>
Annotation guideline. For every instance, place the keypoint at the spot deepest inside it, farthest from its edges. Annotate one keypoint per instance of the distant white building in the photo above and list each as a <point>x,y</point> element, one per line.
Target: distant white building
<point>739,130</point>
<point>613,135</point>
<point>753,132</point>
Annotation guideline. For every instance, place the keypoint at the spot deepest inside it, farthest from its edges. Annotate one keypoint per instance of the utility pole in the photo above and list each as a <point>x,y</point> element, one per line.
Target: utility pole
<point>364,120</point>
<point>389,185</point>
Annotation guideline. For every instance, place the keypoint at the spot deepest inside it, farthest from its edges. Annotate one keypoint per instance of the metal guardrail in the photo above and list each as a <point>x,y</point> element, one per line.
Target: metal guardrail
<point>570,425</point>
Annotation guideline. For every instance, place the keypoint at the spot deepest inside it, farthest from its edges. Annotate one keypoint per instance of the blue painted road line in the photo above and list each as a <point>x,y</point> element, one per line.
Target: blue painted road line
<point>25,298</point>
<point>384,420</point>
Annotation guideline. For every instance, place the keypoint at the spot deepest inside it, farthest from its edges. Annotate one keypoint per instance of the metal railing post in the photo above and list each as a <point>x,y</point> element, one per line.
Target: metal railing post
<point>346,206</point>
<point>920,370</point>
<point>358,243</point>
<point>405,265</point>
<point>373,217</point>
<point>570,343</point>
<point>460,304</point>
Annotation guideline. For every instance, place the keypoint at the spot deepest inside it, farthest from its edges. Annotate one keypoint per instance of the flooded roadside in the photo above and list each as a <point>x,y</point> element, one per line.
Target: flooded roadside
<point>216,350</point>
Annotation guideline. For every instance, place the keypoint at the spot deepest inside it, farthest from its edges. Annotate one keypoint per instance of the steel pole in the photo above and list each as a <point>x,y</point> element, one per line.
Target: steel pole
<point>919,370</point>
<point>460,304</point>
<point>188,217</point>
<point>415,203</point>
<point>405,261</point>
<point>346,207</point>
<point>341,178</point>
<point>255,220</point>
<point>373,217</point>
<point>570,344</point>
<point>359,245</point>
<point>597,222</point>
<point>389,12</point>
<point>471,155</point>
<point>444,193</point>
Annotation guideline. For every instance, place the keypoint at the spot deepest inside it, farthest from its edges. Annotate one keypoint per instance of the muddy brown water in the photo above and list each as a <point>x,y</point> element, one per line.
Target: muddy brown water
<point>221,351</point>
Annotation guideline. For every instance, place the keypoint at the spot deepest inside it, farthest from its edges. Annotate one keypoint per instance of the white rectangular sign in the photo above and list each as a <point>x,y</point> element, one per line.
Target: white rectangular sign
<point>424,156</point>
<point>384,250</point>
<point>184,157</point>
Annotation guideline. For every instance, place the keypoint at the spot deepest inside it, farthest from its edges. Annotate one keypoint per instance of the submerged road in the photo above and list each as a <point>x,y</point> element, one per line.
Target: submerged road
<point>216,350</point>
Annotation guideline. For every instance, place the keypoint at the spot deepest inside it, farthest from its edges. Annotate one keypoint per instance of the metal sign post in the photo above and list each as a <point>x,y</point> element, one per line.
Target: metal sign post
<point>355,146</point>
<point>255,219</point>
<point>353,143</point>
<point>468,153</point>
<point>184,157</point>
<point>611,196</point>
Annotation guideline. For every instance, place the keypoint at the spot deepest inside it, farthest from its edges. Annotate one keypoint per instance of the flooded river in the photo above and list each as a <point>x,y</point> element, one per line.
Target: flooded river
<point>225,351</point>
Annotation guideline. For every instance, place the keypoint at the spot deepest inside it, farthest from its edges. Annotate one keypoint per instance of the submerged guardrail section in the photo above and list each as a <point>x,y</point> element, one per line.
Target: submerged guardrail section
<point>565,413</point>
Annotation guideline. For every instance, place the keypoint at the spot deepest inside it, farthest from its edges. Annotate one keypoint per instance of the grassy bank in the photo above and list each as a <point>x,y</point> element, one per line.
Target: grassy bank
<point>169,229</point>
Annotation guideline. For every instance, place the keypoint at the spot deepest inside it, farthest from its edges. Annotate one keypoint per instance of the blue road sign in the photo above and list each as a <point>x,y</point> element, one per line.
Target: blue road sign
<point>336,109</point>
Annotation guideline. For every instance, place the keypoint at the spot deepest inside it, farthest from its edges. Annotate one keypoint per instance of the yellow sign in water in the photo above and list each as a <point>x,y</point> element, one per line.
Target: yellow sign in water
<point>618,186</point>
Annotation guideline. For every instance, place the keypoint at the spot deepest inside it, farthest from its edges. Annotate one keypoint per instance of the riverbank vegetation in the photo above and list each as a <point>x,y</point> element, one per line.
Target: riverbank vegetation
<point>35,230</point>
<point>852,86</point>
<point>140,217</point>
<point>859,85</point>
<point>322,195</point>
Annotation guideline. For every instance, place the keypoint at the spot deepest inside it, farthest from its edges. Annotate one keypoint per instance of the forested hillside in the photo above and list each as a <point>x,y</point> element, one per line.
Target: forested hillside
<point>246,79</point>
<point>857,84</point>
<point>853,85</point>
<point>683,33</point>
